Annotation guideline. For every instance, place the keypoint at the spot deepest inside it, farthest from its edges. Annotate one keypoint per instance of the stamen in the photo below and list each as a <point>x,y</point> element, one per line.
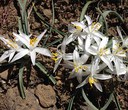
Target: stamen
<point>91,81</point>
<point>32,41</point>
<point>54,57</point>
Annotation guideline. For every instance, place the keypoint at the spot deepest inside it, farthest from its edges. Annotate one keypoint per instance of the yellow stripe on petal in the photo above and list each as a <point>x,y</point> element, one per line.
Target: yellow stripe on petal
<point>95,26</point>
<point>12,44</point>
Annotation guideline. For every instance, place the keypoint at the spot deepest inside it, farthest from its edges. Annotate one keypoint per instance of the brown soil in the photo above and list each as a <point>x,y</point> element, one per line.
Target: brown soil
<point>41,94</point>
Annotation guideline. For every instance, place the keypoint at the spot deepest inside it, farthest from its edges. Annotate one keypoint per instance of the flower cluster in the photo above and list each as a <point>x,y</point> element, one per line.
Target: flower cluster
<point>95,56</point>
<point>23,45</point>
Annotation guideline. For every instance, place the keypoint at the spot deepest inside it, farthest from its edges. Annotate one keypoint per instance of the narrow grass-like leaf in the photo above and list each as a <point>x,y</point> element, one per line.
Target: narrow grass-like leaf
<point>108,102</point>
<point>19,24</point>
<point>103,16</point>
<point>43,69</point>
<point>54,42</point>
<point>116,101</point>
<point>21,85</point>
<point>85,9</point>
<point>71,103</point>
<point>89,103</point>
<point>46,23</point>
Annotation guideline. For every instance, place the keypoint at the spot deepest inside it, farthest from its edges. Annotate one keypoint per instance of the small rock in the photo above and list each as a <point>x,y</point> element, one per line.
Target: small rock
<point>46,95</point>
<point>4,74</point>
<point>47,12</point>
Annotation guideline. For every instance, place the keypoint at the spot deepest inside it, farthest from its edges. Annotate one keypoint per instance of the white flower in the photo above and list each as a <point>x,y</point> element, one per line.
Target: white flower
<point>32,49</point>
<point>93,77</point>
<point>124,40</point>
<point>13,48</point>
<point>117,57</point>
<point>93,35</point>
<point>101,51</point>
<point>76,33</point>
<point>60,54</point>
<point>78,66</point>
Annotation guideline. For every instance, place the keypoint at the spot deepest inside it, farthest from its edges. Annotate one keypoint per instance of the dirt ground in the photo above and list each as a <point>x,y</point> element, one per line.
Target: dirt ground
<point>41,94</point>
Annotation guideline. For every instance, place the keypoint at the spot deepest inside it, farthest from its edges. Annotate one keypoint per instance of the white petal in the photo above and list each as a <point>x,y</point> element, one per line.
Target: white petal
<point>106,60</point>
<point>84,58</point>
<point>83,83</point>
<point>98,86</point>
<point>43,51</point>
<point>78,24</point>
<point>33,57</point>
<point>68,56</point>
<point>20,55</point>
<point>89,21</point>
<point>39,38</point>
<point>120,67</point>
<point>119,32</point>
<point>102,76</point>
<point>76,56</point>
<point>5,55</point>
<point>57,64</point>
<point>63,46</point>
<point>11,56</point>
<point>24,41</point>
<point>103,43</point>
<point>79,75</point>
<point>70,39</point>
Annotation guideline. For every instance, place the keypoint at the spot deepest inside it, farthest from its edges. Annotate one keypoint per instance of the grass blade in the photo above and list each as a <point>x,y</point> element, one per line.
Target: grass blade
<point>21,85</point>
<point>88,101</point>
<point>108,102</point>
<point>71,103</point>
<point>43,69</point>
<point>103,16</point>
<point>116,101</point>
<point>85,9</point>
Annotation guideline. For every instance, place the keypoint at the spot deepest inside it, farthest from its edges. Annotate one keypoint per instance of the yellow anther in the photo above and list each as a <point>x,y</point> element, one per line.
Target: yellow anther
<point>95,26</point>
<point>83,67</point>
<point>32,41</point>
<point>54,57</point>
<point>91,81</point>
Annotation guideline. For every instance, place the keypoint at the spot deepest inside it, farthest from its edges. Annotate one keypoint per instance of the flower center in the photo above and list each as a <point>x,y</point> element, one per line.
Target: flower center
<point>32,41</point>
<point>78,27</point>
<point>102,52</point>
<point>76,67</point>
<point>91,81</point>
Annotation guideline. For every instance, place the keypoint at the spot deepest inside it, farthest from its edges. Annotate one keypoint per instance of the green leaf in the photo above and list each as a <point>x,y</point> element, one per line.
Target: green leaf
<point>47,24</point>
<point>71,103</point>
<point>103,16</point>
<point>43,69</point>
<point>108,102</point>
<point>84,10</point>
<point>54,42</point>
<point>89,103</point>
<point>116,101</point>
<point>21,85</point>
